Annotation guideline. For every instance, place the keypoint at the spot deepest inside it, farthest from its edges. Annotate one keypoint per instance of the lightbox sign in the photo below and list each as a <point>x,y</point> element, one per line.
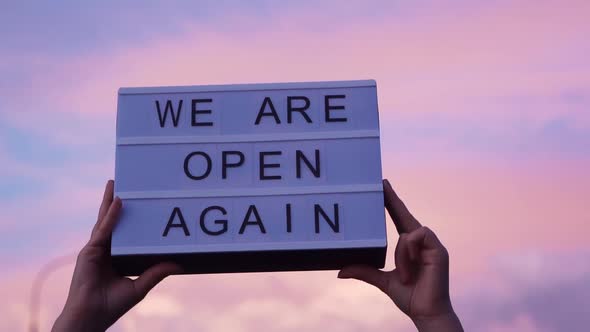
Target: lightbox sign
<point>249,177</point>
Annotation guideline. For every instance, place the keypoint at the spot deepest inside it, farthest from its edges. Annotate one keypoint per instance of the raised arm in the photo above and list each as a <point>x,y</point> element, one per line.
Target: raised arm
<point>419,284</point>
<point>98,296</point>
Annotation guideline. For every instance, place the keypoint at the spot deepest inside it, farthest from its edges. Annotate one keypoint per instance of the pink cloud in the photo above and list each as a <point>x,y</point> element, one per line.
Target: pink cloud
<point>480,207</point>
<point>494,300</point>
<point>432,64</point>
<point>244,302</point>
<point>66,186</point>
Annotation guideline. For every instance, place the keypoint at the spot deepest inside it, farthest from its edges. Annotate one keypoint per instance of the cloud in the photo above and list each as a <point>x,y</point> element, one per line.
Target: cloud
<point>160,305</point>
<point>445,81</point>
<point>537,291</point>
<point>323,301</point>
<point>47,212</point>
<point>516,293</point>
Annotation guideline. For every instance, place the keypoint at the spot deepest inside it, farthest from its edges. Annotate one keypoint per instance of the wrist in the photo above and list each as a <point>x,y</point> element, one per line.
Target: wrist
<point>73,321</point>
<point>447,322</point>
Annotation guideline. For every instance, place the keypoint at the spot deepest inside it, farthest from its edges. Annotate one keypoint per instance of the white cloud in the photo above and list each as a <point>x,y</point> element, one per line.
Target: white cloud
<point>160,305</point>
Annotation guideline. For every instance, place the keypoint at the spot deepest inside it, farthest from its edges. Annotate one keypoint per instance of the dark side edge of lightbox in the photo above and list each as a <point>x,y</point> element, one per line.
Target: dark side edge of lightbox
<point>254,261</point>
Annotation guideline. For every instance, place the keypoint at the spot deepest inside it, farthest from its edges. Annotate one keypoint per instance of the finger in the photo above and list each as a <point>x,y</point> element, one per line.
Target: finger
<point>403,262</point>
<point>107,199</point>
<point>425,238</point>
<point>367,274</point>
<point>105,229</point>
<point>402,218</point>
<point>153,276</point>
<point>426,248</point>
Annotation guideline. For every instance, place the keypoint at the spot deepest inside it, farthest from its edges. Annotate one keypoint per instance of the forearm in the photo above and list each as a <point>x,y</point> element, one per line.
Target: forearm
<point>444,323</point>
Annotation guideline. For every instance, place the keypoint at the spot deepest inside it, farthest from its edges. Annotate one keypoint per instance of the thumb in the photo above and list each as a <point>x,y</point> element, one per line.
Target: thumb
<point>367,274</point>
<point>152,276</point>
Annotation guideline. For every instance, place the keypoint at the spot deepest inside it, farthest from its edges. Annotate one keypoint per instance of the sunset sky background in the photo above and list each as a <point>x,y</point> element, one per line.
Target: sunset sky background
<point>485,122</point>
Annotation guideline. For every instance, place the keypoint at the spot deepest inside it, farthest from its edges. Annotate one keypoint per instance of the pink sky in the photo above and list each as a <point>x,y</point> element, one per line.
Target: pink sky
<point>484,119</point>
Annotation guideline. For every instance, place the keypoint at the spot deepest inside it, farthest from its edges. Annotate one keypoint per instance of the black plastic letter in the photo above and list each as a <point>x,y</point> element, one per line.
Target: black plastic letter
<point>225,165</point>
<point>299,156</point>
<point>263,165</point>
<point>328,108</point>
<point>222,222</point>
<point>247,221</point>
<point>176,212</point>
<point>288,209</point>
<point>335,225</point>
<point>301,110</point>
<point>187,161</point>
<point>195,111</point>
<point>273,112</point>
<point>169,106</point>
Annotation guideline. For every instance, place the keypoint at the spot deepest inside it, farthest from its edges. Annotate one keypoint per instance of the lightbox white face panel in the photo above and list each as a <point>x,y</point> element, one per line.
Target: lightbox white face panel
<point>254,167</point>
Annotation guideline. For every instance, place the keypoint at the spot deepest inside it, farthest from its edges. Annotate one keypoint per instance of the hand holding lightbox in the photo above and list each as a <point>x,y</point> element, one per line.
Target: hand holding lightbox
<point>419,285</point>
